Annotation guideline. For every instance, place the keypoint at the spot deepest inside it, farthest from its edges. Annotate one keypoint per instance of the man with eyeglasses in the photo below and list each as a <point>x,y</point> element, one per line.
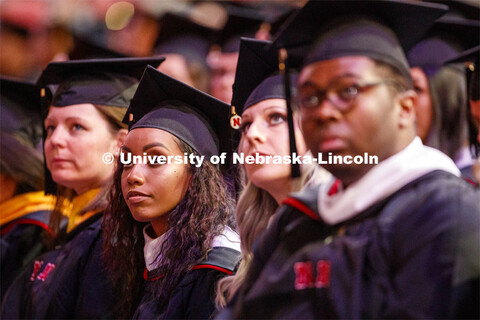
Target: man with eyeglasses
<point>396,240</point>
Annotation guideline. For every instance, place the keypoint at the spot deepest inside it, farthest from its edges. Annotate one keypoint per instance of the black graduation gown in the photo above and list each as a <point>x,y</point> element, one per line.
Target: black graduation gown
<point>69,282</point>
<point>467,174</point>
<point>414,254</point>
<point>21,241</point>
<point>194,296</point>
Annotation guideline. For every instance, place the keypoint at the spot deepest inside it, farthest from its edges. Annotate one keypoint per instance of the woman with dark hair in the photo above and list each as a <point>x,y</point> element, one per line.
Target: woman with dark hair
<point>471,59</point>
<point>442,103</point>
<point>83,123</point>
<point>170,222</point>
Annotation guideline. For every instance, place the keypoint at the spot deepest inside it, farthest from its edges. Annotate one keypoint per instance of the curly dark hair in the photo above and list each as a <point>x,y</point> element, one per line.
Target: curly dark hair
<point>202,214</point>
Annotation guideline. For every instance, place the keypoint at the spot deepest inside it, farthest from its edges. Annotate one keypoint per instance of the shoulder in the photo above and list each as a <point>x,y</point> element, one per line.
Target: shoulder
<point>440,194</point>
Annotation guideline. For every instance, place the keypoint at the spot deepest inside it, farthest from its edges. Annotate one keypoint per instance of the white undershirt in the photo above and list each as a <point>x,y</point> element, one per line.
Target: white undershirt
<point>381,181</point>
<point>228,238</point>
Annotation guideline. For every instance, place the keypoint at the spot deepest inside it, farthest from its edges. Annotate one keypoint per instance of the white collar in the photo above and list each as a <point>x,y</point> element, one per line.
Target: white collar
<point>228,238</point>
<point>151,250</point>
<point>464,158</point>
<point>381,181</point>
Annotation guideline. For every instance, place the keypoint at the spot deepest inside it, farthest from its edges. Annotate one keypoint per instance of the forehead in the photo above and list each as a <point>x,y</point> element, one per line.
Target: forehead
<point>139,137</point>
<point>85,110</point>
<point>323,72</point>
<point>264,105</point>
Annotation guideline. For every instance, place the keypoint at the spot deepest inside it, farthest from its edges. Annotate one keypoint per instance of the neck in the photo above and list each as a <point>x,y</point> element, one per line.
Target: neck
<point>160,225</point>
<point>357,172</point>
<point>279,191</point>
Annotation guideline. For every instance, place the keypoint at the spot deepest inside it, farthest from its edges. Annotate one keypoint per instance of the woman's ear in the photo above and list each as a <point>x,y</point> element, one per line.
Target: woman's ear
<point>407,101</point>
<point>120,138</point>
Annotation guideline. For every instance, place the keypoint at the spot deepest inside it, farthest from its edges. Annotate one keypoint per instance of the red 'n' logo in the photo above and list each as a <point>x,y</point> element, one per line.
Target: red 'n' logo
<point>323,274</point>
<point>48,268</point>
<point>304,274</point>
<point>36,267</point>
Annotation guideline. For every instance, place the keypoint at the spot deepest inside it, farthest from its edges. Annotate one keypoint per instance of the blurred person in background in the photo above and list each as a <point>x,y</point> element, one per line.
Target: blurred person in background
<point>441,105</point>
<point>24,209</point>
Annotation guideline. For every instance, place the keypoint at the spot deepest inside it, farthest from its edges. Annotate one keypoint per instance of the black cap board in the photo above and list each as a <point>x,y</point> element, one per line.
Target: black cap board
<point>449,36</point>
<point>110,82</point>
<point>84,48</point>
<point>179,34</point>
<point>256,76</point>
<point>193,116</point>
<point>241,22</point>
<point>379,29</point>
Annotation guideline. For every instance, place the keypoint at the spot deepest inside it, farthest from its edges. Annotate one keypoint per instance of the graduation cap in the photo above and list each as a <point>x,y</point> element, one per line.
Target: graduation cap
<point>84,48</point>
<point>191,115</point>
<point>257,77</point>
<point>378,29</point>
<point>468,9</point>
<point>241,22</point>
<point>179,34</point>
<point>450,35</point>
<point>20,109</point>
<point>471,58</point>
<point>108,82</point>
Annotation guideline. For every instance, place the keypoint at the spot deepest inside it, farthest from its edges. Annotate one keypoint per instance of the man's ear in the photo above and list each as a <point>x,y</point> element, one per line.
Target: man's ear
<point>406,114</point>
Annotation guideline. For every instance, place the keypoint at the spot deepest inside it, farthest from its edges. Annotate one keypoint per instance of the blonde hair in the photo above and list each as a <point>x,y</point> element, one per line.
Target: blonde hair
<point>255,208</point>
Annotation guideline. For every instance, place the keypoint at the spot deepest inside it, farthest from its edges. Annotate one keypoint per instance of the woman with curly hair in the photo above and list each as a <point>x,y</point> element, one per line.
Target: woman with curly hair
<point>259,92</point>
<point>169,230</point>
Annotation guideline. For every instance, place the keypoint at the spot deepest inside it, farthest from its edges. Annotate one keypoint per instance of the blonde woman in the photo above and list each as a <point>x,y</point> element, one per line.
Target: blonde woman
<point>83,123</point>
<point>259,93</point>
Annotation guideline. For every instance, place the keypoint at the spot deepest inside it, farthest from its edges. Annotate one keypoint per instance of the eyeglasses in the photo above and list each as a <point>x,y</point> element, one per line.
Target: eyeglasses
<point>341,95</point>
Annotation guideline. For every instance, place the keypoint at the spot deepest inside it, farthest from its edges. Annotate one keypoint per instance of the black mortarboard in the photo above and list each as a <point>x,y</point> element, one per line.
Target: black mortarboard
<point>472,56</point>
<point>449,36</point>
<point>193,116</point>
<point>179,34</point>
<point>469,9</point>
<point>84,48</point>
<point>20,109</point>
<point>256,76</point>
<point>377,29</point>
<point>241,22</point>
<point>110,82</point>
